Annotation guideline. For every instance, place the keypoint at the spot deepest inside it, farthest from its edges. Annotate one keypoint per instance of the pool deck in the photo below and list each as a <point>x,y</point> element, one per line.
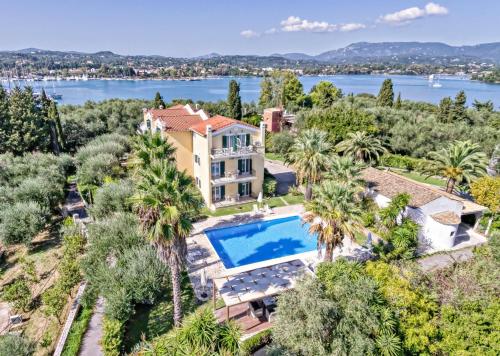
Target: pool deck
<point>202,256</point>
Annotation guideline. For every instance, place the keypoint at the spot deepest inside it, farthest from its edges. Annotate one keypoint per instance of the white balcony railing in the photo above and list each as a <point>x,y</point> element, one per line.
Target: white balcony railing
<point>231,176</point>
<point>237,151</point>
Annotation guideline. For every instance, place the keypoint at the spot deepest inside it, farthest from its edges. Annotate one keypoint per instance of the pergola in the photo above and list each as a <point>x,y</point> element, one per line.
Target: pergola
<point>257,284</point>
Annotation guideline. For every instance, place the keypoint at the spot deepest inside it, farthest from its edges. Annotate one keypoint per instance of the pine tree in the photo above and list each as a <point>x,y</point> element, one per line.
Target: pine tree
<point>444,109</point>
<point>4,120</point>
<point>234,100</point>
<point>398,103</point>
<point>458,111</point>
<point>158,102</point>
<point>386,94</point>
<point>266,93</point>
<point>292,89</point>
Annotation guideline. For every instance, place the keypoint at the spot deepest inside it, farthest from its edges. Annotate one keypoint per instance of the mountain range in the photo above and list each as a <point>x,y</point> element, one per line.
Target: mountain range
<point>356,53</point>
<point>365,51</point>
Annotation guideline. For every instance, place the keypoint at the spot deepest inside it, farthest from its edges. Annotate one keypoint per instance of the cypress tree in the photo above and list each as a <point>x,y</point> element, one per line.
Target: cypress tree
<point>398,103</point>
<point>444,109</point>
<point>266,93</point>
<point>4,120</point>
<point>45,109</point>
<point>158,102</point>
<point>55,124</point>
<point>458,111</point>
<point>234,100</point>
<point>386,94</point>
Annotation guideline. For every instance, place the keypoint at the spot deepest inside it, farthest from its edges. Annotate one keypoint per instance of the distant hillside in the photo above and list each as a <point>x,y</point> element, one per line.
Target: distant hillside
<point>403,52</point>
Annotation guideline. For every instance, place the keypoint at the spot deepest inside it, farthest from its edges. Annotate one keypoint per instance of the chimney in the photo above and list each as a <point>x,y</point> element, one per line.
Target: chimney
<point>263,134</point>
<point>209,139</point>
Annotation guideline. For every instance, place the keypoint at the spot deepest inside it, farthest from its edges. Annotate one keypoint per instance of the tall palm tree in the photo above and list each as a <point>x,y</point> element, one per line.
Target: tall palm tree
<point>166,201</point>
<point>460,161</point>
<point>309,157</point>
<point>345,170</point>
<point>149,147</point>
<point>333,214</point>
<point>363,146</point>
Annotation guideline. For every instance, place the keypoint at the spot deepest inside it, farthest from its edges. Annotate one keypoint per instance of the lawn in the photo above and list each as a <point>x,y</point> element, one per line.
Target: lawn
<point>275,156</point>
<point>244,208</point>
<point>157,319</point>
<point>422,178</point>
<point>294,199</point>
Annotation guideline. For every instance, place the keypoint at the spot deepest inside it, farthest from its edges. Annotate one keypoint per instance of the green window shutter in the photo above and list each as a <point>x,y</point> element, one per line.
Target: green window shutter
<point>249,188</point>
<point>224,142</point>
<point>222,168</point>
<point>250,165</point>
<point>248,139</point>
<point>240,188</point>
<point>223,191</point>
<point>240,164</point>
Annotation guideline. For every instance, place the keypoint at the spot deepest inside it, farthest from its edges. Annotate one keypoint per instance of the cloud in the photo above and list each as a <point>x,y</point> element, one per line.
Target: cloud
<point>413,13</point>
<point>296,24</point>
<point>249,34</point>
<point>271,31</point>
<point>348,27</point>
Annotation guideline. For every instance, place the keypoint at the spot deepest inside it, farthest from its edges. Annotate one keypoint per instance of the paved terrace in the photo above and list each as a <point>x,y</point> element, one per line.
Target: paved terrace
<point>202,256</point>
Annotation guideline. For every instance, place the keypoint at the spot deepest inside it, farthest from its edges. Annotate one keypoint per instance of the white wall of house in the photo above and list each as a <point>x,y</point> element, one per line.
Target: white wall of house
<point>431,233</point>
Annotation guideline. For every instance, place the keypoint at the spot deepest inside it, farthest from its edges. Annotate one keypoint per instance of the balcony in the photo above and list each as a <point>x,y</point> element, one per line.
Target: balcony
<point>234,176</point>
<point>233,200</point>
<point>237,151</point>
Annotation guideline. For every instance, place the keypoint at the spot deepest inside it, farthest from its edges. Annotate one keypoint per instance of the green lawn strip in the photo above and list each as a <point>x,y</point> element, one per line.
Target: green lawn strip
<point>275,156</point>
<point>75,336</point>
<point>422,178</point>
<point>293,199</point>
<point>157,319</point>
<point>244,208</point>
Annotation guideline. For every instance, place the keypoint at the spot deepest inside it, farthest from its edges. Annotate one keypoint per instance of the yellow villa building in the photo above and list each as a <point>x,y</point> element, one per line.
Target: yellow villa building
<point>224,156</point>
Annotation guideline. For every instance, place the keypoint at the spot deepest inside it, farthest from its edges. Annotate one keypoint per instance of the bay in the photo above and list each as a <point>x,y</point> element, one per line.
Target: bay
<point>411,87</point>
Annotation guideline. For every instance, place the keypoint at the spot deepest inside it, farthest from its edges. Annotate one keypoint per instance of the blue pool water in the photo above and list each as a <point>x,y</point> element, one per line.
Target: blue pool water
<point>259,241</point>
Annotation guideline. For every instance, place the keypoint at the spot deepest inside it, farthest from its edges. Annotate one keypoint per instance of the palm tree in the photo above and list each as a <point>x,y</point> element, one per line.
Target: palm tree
<point>460,161</point>
<point>166,201</point>
<point>346,170</point>
<point>333,214</point>
<point>149,147</point>
<point>363,146</point>
<point>309,157</point>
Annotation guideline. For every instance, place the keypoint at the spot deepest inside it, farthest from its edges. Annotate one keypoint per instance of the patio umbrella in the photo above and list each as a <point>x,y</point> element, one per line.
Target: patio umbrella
<point>203,279</point>
<point>259,198</point>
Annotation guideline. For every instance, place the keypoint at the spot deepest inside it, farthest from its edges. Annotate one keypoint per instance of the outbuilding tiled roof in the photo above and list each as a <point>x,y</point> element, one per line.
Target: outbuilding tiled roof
<point>390,184</point>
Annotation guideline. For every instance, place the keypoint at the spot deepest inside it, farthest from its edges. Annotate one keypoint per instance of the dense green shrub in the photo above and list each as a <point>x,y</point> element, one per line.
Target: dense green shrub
<point>78,328</point>
<point>54,299</point>
<point>16,345</point>
<point>256,342</point>
<point>96,168</point>
<point>112,197</point>
<point>280,142</point>
<point>21,222</point>
<point>40,190</point>
<point>402,162</point>
<point>112,334</point>
<point>269,186</point>
<point>18,293</point>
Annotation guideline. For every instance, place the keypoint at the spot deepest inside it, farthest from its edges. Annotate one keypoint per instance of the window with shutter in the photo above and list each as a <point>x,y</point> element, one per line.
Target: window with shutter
<point>222,168</point>
<point>224,142</point>
<point>222,192</point>
<point>248,140</point>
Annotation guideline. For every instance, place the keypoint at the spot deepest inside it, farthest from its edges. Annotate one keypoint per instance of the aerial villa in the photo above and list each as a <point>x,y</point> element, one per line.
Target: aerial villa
<point>248,259</point>
<point>223,155</point>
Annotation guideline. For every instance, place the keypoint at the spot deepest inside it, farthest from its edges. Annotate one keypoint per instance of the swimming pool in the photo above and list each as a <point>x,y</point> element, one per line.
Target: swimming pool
<point>260,241</point>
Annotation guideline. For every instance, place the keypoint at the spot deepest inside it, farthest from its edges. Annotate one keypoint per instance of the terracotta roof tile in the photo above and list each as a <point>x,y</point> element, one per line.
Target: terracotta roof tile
<point>175,118</point>
<point>217,122</point>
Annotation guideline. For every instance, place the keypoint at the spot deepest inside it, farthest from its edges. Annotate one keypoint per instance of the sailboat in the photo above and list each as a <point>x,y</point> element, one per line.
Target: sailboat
<point>437,84</point>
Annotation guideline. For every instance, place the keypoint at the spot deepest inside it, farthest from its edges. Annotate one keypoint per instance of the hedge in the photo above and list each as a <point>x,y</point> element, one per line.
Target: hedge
<point>402,162</point>
<point>255,342</point>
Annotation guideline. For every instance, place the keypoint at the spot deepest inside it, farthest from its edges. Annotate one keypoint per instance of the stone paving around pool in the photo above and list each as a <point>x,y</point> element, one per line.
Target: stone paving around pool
<point>202,256</point>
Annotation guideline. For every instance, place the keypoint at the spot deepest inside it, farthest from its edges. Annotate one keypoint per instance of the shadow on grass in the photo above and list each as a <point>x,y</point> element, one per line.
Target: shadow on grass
<point>157,319</point>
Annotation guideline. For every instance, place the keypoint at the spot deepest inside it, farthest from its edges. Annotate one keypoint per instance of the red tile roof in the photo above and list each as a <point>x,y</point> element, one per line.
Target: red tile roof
<point>217,122</point>
<point>175,118</point>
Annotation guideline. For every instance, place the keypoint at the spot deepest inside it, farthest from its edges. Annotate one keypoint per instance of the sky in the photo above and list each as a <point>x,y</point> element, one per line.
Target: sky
<point>189,28</point>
